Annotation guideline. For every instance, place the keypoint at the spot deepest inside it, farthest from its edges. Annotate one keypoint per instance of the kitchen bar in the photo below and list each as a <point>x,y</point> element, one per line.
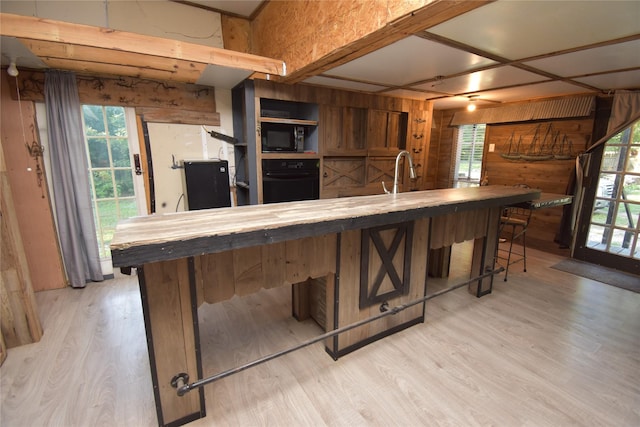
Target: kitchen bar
<point>366,250</point>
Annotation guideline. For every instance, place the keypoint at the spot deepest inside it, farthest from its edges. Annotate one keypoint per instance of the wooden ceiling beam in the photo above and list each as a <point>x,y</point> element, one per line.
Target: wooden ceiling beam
<point>100,61</point>
<point>33,28</point>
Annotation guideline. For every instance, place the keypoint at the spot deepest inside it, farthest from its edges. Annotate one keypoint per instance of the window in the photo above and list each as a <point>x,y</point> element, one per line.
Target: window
<point>110,171</point>
<point>469,149</point>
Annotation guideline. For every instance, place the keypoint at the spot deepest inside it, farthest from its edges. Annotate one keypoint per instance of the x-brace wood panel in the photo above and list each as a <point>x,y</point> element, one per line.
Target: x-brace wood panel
<point>399,248</point>
<point>380,169</point>
<point>343,172</point>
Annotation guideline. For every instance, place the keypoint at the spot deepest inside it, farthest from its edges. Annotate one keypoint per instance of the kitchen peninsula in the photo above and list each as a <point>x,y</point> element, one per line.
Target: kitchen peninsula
<point>368,251</point>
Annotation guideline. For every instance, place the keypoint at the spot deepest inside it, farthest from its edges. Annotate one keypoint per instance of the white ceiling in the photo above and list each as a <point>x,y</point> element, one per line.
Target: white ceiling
<point>501,52</point>
<point>504,51</point>
<point>507,51</point>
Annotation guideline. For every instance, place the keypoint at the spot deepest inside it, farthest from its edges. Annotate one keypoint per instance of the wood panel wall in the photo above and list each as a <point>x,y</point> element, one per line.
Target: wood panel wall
<point>19,321</point>
<point>441,154</point>
<point>32,202</point>
<point>156,101</point>
<point>552,176</point>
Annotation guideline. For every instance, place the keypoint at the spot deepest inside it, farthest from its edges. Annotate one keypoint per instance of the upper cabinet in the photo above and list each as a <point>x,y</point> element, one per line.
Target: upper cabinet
<point>343,131</point>
<point>351,131</point>
<point>386,132</point>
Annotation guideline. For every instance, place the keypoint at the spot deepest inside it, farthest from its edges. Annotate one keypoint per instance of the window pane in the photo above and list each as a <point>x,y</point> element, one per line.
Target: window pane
<point>611,158</point>
<point>93,120</point>
<point>625,215</point>
<point>98,152</point>
<point>103,184</point>
<point>594,240</point>
<point>120,152</point>
<point>128,208</point>
<point>470,151</point>
<point>620,242</point>
<point>108,213</point>
<point>124,182</point>
<point>115,118</point>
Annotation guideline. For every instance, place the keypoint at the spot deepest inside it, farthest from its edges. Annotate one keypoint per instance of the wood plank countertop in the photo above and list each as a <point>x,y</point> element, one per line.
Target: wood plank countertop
<point>162,237</point>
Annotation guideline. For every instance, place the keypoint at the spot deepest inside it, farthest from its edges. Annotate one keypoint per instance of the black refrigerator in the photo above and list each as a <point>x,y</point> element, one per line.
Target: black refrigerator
<point>207,184</point>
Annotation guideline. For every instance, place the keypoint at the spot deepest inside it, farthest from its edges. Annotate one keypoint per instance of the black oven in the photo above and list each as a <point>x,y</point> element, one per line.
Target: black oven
<point>288,180</point>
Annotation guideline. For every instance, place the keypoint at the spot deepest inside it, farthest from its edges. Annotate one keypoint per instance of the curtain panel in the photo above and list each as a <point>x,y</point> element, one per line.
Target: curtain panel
<point>71,188</point>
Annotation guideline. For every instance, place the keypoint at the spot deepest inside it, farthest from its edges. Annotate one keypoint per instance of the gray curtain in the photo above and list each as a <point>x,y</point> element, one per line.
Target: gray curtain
<point>69,170</point>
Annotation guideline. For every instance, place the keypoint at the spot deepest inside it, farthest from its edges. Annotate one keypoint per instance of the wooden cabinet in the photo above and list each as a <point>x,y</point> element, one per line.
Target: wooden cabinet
<point>356,137</point>
<point>359,148</point>
<point>343,176</point>
<point>386,132</point>
<point>343,131</point>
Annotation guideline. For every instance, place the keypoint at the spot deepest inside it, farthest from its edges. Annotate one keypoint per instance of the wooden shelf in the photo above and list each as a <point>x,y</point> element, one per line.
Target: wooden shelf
<point>290,155</point>
<point>288,121</point>
<point>350,153</point>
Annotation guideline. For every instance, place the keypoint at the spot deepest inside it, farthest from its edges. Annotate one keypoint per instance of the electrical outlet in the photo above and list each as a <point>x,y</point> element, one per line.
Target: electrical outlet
<point>492,148</point>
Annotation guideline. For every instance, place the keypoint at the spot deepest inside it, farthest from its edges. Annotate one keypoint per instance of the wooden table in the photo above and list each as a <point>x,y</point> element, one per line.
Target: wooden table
<point>366,250</point>
<point>547,200</point>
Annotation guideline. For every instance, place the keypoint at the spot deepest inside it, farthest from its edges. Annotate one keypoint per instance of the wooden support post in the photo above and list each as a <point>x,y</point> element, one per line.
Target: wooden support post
<point>300,300</point>
<point>169,305</point>
<point>484,251</point>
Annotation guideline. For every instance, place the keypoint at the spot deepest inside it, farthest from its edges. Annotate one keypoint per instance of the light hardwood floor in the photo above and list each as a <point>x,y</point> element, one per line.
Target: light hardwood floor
<point>545,348</point>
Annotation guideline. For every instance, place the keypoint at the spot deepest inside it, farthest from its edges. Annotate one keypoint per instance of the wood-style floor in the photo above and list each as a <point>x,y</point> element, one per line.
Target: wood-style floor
<point>545,348</point>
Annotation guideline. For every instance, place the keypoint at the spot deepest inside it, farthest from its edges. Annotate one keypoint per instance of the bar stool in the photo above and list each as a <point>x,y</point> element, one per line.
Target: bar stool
<point>515,221</point>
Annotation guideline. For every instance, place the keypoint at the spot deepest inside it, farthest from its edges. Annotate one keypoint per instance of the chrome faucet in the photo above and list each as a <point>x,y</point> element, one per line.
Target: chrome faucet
<point>412,172</point>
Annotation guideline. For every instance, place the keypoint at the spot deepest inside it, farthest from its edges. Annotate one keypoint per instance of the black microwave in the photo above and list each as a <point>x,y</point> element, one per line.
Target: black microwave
<point>282,137</point>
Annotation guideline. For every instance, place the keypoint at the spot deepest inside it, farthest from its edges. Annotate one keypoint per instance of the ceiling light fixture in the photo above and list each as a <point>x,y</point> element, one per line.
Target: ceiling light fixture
<point>471,106</point>
<point>13,70</point>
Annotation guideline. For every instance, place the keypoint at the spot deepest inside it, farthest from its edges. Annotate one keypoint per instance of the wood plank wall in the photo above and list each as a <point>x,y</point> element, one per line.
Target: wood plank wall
<point>551,176</point>
<point>32,203</point>
<point>19,321</point>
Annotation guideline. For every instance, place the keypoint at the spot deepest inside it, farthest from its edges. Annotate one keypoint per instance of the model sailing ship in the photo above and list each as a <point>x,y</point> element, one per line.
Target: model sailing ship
<point>551,147</point>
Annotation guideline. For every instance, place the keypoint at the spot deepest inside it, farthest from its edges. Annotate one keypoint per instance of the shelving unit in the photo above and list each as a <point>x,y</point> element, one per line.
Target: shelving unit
<point>250,114</point>
<point>298,122</point>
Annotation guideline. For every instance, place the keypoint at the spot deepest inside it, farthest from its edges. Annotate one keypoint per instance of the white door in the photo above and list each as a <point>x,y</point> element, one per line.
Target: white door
<point>117,192</point>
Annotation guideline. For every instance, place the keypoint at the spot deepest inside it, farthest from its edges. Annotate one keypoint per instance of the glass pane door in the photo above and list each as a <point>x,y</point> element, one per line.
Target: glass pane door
<point>613,227</point>
<point>111,142</point>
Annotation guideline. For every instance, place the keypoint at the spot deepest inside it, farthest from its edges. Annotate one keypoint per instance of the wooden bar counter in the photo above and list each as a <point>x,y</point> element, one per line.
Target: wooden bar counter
<point>366,251</point>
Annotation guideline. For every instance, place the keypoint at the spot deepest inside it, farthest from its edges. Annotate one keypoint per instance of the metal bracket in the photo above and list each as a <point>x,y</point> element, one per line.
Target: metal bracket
<point>223,137</point>
<point>181,382</point>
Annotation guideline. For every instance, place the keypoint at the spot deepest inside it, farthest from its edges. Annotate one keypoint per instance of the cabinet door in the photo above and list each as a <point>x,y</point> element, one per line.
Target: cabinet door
<point>344,131</point>
<point>377,129</point>
<point>386,132</point>
<point>343,172</point>
<point>355,129</point>
<point>381,169</point>
<point>331,130</point>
